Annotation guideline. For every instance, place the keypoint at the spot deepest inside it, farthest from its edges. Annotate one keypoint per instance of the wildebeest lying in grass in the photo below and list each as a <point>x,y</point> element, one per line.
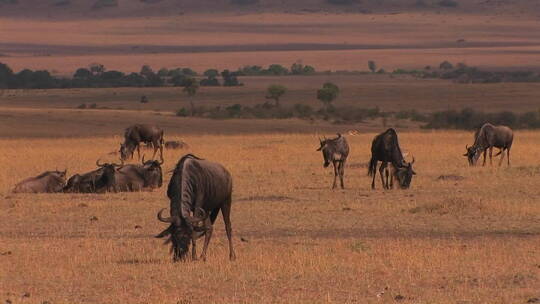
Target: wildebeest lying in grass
<point>46,182</point>
<point>385,148</point>
<point>148,175</point>
<point>487,137</point>
<point>97,181</point>
<point>176,144</point>
<point>335,151</point>
<point>140,133</point>
<point>198,190</point>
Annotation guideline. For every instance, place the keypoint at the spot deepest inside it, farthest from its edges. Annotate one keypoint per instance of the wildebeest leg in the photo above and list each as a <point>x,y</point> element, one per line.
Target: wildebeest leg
<point>392,179</point>
<point>508,156</point>
<point>335,164</point>
<point>155,151</point>
<point>491,156</point>
<point>502,157</point>
<point>381,173</point>
<point>207,236</point>
<point>193,249</point>
<point>386,177</point>
<point>139,151</point>
<point>484,163</point>
<point>226,212</point>
<point>341,173</point>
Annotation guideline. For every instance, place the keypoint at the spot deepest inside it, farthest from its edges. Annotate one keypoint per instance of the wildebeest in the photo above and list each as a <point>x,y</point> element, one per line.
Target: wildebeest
<point>176,144</point>
<point>198,190</point>
<point>148,175</point>
<point>134,135</point>
<point>97,181</point>
<point>385,148</point>
<point>335,151</point>
<point>487,137</point>
<point>46,182</point>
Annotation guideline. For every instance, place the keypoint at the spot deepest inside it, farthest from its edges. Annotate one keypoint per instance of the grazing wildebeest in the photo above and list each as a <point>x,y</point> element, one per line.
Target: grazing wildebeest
<point>198,190</point>
<point>138,177</point>
<point>97,181</point>
<point>176,144</point>
<point>335,151</point>
<point>134,135</point>
<point>487,137</point>
<point>385,148</point>
<point>46,182</point>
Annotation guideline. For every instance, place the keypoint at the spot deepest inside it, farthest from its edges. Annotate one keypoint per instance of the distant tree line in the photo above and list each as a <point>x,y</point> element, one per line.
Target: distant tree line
<point>97,76</point>
<point>462,73</point>
<point>296,68</point>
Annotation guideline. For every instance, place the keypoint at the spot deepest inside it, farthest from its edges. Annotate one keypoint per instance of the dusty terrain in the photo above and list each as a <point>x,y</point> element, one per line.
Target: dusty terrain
<point>489,34</point>
<point>472,237</point>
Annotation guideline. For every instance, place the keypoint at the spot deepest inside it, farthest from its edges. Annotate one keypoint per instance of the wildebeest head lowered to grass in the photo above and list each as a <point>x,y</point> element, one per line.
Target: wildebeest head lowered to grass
<point>487,137</point>
<point>46,182</point>
<point>335,151</point>
<point>197,191</point>
<point>385,148</point>
<point>140,133</point>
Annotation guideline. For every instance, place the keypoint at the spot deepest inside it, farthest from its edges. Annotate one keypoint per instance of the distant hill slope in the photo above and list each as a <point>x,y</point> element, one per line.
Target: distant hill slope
<point>138,8</point>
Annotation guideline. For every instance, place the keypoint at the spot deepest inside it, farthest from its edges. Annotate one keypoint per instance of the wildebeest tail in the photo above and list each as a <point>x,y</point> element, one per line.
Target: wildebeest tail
<point>372,166</point>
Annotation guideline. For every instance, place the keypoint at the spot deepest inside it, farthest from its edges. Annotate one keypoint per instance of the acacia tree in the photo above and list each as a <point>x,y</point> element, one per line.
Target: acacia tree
<point>275,91</point>
<point>327,94</point>
<point>190,88</point>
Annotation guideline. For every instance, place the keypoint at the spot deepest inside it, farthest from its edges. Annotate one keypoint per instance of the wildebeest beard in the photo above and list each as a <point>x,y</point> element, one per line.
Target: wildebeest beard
<point>180,235</point>
<point>180,239</point>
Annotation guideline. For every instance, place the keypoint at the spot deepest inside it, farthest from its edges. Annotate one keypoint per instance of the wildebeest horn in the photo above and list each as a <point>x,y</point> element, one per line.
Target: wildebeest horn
<point>143,159</point>
<point>162,161</point>
<point>98,164</point>
<point>466,147</point>
<point>413,160</point>
<point>164,219</point>
<point>195,219</point>
<point>117,165</point>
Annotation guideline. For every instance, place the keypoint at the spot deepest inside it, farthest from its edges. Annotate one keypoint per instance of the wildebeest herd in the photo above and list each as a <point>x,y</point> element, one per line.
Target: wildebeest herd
<point>199,189</point>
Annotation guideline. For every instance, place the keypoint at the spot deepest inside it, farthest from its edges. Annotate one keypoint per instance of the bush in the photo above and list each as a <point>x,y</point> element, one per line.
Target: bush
<point>471,119</point>
<point>445,65</point>
<point>183,112</point>
<point>303,111</point>
<point>209,82</point>
<point>230,79</point>
<point>81,106</point>
<point>92,106</point>
<point>277,69</point>
<point>300,69</point>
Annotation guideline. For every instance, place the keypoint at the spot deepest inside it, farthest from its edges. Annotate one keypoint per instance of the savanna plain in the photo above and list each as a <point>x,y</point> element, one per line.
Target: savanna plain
<point>469,237</point>
<point>460,234</point>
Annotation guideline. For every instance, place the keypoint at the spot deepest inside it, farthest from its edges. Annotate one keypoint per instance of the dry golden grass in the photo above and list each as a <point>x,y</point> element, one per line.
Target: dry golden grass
<point>475,240</point>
